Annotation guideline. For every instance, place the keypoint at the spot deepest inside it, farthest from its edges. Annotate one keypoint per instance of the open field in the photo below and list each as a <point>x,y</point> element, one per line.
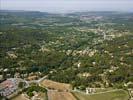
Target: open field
<point>55,95</point>
<point>117,95</point>
<point>98,90</point>
<point>55,85</point>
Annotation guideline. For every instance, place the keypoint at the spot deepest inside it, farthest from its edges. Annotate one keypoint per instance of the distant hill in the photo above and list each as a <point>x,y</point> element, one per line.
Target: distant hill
<point>21,13</point>
<point>101,13</point>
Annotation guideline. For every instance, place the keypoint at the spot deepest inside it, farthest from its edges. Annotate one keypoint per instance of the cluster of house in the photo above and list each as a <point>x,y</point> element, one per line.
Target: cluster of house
<point>90,90</point>
<point>8,86</point>
<point>89,52</point>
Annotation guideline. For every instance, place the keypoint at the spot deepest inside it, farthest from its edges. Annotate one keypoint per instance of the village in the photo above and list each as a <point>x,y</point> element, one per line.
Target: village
<point>11,89</point>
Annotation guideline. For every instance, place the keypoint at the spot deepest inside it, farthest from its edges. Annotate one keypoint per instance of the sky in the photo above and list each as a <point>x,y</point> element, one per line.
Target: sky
<point>63,6</point>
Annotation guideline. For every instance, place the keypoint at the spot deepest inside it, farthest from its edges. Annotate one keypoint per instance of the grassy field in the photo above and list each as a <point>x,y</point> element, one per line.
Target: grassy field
<point>117,95</point>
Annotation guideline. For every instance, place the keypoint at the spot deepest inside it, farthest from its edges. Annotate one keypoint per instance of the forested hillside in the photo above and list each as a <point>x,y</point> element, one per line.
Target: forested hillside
<point>83,49</point>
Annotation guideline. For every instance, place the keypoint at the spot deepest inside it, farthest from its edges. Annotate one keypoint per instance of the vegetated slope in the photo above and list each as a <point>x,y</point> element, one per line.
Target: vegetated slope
<point>107,65</point>
<point>69,49</point>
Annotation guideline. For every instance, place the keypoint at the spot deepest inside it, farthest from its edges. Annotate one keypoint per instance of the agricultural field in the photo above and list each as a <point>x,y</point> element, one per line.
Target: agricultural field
<point>55,85</point>
<point>55,95</point>
<point>117,95</point>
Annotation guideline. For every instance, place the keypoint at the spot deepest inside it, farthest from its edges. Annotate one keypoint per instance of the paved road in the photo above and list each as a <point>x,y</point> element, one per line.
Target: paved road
<point>37,81</point>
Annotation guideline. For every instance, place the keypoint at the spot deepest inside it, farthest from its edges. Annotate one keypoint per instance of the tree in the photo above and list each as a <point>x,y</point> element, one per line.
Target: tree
<point>21,84</point>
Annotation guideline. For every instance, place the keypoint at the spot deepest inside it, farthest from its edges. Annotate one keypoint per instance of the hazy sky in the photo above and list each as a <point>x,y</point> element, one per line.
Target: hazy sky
<point>67,5</point>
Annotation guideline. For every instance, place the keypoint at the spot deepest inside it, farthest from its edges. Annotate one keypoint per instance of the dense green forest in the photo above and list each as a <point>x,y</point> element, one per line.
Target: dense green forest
<point>68,48</point>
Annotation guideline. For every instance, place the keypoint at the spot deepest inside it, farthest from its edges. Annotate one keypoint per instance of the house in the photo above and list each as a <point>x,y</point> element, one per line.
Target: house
<point>8,86</point>
<point>90,90</point>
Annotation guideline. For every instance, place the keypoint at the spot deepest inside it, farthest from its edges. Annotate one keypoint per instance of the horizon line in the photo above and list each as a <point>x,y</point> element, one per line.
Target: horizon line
<point>66,12</point>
